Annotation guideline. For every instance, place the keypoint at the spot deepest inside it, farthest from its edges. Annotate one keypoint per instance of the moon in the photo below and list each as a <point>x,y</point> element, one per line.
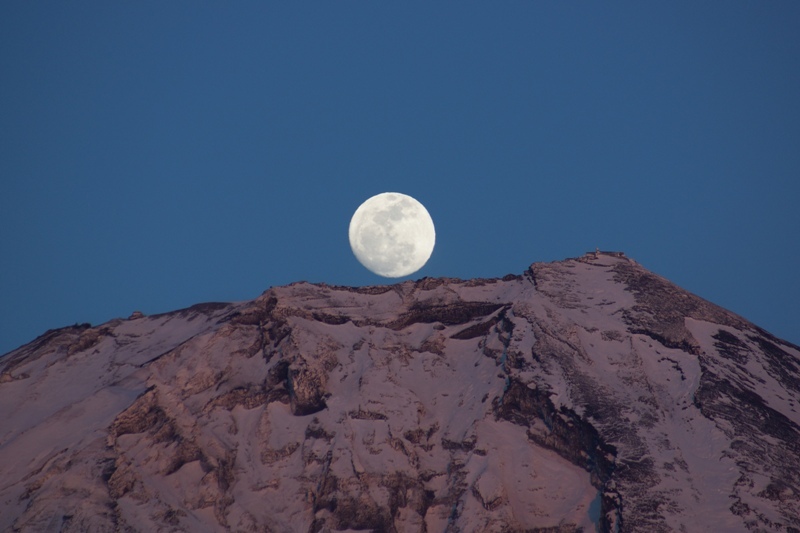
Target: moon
<point>392,234</point>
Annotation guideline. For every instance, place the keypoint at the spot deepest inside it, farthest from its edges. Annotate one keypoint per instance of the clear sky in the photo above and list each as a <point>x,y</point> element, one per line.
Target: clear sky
<point>154,155</point>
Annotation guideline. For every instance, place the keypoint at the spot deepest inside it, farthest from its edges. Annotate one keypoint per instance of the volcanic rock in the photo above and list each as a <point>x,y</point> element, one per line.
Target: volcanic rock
<point>583,395</point>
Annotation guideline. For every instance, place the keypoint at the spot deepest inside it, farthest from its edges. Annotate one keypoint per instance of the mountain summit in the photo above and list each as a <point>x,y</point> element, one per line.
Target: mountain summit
<point>584,395</point>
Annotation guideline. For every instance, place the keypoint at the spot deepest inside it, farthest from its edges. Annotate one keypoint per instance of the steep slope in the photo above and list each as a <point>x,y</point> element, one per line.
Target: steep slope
<point>587,394</point>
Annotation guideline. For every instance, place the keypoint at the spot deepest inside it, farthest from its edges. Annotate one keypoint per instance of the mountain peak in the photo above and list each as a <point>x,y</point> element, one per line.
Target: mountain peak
<point>583,395</point>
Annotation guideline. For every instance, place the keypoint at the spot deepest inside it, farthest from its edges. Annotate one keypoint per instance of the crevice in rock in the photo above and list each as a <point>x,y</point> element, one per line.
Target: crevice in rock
<point>572,437</point>
<point>449,314</point>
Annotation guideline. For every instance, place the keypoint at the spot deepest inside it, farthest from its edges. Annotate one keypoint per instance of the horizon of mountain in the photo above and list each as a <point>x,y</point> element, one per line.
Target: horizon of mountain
<point>587,394</point>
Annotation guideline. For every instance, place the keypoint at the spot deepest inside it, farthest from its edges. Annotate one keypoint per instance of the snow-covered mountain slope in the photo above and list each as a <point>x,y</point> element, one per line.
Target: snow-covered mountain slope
<point>584,395</point>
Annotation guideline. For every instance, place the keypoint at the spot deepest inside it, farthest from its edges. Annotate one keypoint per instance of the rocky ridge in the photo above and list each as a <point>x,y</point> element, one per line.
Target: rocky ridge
<point>584,395</point>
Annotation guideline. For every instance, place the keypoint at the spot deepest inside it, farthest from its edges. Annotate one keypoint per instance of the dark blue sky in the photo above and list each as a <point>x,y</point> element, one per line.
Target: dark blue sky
<point>158,154</point>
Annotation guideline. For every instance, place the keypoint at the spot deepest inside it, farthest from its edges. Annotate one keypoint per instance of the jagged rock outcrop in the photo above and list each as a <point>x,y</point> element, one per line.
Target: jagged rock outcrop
<point>584,395</point>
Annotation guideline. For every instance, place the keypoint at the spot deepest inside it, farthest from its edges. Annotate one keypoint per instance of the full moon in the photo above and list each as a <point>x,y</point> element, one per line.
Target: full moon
<point>392,235</point>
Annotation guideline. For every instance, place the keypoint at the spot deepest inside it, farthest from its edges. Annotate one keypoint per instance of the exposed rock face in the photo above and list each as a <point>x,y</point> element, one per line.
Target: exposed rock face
<point>584,395</point>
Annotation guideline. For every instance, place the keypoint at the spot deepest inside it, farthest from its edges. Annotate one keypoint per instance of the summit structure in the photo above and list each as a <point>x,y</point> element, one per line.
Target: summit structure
<point>583,395</point>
